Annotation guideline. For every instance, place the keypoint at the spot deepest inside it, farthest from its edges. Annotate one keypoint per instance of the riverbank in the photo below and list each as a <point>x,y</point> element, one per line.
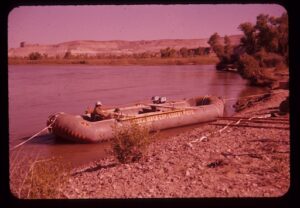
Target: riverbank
<point>206,60</point>
<point>238,162</point>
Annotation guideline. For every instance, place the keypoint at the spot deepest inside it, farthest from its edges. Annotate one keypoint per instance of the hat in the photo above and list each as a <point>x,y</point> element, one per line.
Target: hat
<point>98,103</point>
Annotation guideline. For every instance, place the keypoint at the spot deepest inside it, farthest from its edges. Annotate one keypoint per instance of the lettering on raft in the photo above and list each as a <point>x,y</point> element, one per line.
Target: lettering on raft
<point>163,116</point>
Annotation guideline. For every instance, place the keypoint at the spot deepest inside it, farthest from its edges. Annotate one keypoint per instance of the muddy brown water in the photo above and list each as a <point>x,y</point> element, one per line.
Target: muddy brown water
<point>35,92</point>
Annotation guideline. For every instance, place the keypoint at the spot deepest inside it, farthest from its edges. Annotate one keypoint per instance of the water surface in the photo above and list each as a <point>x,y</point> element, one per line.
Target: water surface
<point>35,92</point>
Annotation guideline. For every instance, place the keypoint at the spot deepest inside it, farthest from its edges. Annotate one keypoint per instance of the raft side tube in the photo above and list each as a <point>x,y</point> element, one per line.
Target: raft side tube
<point>75,128</point>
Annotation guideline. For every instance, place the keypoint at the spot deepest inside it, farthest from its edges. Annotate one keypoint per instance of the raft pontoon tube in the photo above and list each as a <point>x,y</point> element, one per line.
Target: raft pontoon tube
<point>80,129</point>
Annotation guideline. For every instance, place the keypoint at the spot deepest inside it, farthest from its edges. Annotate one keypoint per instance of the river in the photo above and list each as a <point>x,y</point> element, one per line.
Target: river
<point>36,91</point>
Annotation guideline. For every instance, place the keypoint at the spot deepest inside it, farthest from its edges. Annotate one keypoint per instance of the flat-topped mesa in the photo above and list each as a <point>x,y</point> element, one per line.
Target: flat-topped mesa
<point>80,128</point>
<point>113,47</point>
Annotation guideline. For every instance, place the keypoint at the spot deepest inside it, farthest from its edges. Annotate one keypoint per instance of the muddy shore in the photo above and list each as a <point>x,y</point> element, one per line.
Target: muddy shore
<point>248,158</point>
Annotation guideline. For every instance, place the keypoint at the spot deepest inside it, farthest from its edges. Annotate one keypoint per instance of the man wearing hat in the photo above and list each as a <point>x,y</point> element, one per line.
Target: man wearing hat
<point>98,113</point>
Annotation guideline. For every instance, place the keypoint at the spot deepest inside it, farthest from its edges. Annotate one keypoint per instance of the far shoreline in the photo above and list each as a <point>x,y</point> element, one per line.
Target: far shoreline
<point>198,60</point>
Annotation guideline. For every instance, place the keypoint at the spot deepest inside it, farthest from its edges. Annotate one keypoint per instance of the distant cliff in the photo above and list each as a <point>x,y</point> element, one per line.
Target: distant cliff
<point>114,47</point>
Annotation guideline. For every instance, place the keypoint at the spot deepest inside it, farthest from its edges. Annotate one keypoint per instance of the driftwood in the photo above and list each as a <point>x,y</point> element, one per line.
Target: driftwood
<point>260,121</point>
<point>256,155</point>
<point>248,101</point>
<point>270,140</point>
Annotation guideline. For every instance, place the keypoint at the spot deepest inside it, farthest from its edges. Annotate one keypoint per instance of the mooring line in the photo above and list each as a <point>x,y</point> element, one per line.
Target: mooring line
<point>30,138</point>
<point>47,127</point>
<point>229,124</point>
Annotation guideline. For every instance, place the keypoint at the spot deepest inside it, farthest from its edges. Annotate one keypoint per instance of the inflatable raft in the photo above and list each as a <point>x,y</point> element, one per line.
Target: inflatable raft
<point>80,128</point>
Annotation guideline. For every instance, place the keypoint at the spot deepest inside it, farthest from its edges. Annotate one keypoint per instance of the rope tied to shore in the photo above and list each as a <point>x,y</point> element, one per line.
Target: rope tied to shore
<point>205,138</point>
<point>38,133</point>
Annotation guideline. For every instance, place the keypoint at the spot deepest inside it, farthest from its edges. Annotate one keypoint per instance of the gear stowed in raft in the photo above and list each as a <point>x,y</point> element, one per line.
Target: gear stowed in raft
<point>157,115</point>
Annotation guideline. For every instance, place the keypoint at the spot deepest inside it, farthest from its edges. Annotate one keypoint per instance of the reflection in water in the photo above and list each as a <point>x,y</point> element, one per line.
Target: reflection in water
<point>35,92</point>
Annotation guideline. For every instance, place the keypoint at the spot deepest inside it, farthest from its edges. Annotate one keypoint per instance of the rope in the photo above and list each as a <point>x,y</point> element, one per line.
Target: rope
<point>235,123</point>
<point>47,127</point>
<point>221,130</point>
<point>249,119</point>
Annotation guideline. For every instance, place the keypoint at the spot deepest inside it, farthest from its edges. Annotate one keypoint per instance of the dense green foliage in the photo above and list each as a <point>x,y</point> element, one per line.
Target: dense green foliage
<point>264,45</point>
<point>184,52</point>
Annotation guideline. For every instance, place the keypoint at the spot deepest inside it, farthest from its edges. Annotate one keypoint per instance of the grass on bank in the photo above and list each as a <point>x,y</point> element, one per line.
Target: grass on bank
<point>48,178</point>
<point>197,60</point>
<point>39,178</point>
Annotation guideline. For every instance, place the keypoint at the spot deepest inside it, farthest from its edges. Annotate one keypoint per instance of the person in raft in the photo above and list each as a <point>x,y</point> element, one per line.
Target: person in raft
<point>99,114</point>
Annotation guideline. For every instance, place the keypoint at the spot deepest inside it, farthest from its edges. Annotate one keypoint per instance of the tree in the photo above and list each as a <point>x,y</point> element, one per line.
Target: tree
<point>249,39</point>
<point>183,52</point>
<point>168,52</point>
<point>214,42</point>
<point>35,56</point>
<point>228,49</point>
<point>263,45</point>
<point>199,51</point>
<point>283,32</point>
<point>267,33</point>
<point>68,54</point>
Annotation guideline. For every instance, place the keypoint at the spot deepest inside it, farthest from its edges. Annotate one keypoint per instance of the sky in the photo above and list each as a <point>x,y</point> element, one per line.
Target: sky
<point>56,24</point>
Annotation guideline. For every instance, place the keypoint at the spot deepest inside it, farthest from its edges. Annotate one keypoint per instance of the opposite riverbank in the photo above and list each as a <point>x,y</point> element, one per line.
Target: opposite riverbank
<point>238,161</point>
<point>206,60</point>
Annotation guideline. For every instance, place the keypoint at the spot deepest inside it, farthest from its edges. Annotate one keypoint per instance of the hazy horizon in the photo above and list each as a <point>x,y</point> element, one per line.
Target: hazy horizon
<point>57,24</point>
<point>121,40</point>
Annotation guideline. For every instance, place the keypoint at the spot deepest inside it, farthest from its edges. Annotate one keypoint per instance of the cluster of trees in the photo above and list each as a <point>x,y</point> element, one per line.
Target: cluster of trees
<point>164,53</point>
<point>223,51</point>
<point>264,45</point>
<point>184,52</point>
<point>38,56</point>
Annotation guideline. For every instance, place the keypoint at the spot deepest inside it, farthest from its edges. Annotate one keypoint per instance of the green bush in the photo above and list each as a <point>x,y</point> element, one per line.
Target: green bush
<point>250,69</point>
<point>130,141</point>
